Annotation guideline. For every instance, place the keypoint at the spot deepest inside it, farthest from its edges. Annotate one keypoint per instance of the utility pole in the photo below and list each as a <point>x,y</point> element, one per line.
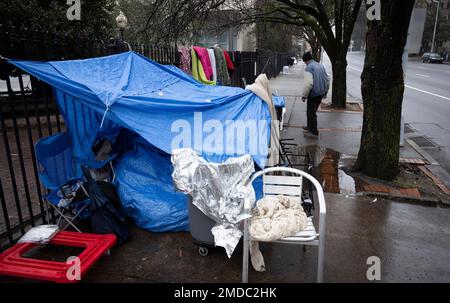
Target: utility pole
<point>435,23</point>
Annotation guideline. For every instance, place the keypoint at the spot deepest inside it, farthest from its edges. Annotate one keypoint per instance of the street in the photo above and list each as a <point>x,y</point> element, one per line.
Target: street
<point>426,106</point>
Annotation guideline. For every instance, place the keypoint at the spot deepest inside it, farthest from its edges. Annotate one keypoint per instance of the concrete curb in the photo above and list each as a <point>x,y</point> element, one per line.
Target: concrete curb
<point>423,153</point>
<point>435,180</point>
<point>425,201</point>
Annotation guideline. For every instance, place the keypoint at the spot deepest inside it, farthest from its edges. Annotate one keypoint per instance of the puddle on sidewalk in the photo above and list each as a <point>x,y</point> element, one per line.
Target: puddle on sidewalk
<point>328,167</point>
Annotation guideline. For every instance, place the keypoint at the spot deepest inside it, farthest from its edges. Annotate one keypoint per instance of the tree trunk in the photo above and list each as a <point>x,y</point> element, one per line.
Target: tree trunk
<point>339,90</point>
<point>382,90</point>
<point>316,52</point>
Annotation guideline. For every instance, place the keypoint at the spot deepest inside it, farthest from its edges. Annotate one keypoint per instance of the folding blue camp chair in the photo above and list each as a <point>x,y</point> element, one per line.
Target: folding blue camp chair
<point>57,173</point>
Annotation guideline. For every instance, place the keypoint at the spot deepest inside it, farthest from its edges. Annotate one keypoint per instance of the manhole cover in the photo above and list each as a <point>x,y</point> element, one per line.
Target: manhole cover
<point>422,142</point>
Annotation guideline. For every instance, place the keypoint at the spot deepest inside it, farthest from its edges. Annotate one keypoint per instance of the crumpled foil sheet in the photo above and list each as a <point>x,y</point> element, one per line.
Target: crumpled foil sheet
<point>227,236</point>
<point>220,191</point>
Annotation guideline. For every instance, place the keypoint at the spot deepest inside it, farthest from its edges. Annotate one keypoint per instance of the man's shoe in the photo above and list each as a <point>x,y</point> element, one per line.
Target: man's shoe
<point>305,128</point>
<point>311,135</point>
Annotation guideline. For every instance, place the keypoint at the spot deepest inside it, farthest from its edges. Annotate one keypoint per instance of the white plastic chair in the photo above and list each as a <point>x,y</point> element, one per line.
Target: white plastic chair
<point>291,186</point>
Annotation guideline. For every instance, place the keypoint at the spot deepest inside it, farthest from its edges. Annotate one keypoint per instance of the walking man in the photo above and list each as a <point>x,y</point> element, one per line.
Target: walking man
<point>316,88</point>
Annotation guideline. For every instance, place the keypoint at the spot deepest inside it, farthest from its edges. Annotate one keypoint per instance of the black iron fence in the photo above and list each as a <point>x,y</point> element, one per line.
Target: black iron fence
<point>272,63</point>
<point>249,65</point>
<point>28,112</point>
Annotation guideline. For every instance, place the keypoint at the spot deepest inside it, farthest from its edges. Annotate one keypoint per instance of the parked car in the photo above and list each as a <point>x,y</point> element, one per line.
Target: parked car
<point>432,57</point>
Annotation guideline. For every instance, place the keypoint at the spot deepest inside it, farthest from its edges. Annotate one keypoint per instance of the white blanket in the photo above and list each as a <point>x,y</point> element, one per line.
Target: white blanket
<point>274,218</point>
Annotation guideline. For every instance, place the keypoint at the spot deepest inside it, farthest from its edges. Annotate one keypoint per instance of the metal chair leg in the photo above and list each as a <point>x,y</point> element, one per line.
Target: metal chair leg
<point>70,220</point>
<point>60,218</point>
<point>47,211</point>
<point>320,264</point>
<point>245,255</point>
<point>65,218</point>
<point>71,224</point>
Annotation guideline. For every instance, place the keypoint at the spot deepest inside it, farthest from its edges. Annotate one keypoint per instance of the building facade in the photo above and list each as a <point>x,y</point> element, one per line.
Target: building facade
<point>442,37</point>
<point>415,35</point>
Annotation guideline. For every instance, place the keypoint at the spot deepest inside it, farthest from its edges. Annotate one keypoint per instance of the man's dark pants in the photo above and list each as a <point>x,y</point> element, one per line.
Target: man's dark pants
<point>313,104</point>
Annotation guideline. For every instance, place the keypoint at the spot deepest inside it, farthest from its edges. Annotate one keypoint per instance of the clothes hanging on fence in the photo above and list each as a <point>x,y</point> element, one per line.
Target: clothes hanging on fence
<point>203,56</point>
<point>211,66</point>
<point>230,65</point>
<point>197,70</point>
<point>222,72</point>
<point>185,59</point>
<point>212,58</point>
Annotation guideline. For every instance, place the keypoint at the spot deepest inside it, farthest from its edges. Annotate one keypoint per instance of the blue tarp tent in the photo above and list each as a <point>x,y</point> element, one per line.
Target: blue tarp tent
<point>162,108</point>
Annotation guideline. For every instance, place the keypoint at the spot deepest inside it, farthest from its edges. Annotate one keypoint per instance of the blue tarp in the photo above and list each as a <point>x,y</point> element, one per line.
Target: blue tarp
<point>279,101</point>
<point>155,206</point>
<point>159,104</point>
<point>151,99</point>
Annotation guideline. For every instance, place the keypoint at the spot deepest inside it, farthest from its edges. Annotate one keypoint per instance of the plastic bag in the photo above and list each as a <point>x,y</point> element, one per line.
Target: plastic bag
<point>40,235</point>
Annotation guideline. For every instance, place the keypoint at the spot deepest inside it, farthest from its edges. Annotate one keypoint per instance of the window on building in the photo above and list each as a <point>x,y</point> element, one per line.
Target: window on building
<point>226,40</point>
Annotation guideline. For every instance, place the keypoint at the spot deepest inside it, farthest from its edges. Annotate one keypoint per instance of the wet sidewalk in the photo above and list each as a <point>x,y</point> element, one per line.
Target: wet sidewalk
<point>339,130</point>
<point>412,242</point>
<point>340,137</point>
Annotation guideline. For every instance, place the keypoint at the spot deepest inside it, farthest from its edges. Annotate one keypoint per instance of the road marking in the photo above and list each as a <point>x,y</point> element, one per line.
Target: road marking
<point>354,68</point>
<point>412,87</point>
<point>420,75</point>
<point>426,92</point>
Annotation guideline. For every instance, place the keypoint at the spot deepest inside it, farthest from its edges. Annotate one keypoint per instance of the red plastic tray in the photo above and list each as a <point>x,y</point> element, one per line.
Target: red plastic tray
<point>13,264</point>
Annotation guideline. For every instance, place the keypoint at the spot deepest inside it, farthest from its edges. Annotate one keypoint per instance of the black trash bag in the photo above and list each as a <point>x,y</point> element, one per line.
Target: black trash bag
<point>106,211</point>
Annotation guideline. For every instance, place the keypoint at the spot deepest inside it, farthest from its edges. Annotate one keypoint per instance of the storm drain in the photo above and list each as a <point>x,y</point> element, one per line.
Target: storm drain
<point>423,142</point>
